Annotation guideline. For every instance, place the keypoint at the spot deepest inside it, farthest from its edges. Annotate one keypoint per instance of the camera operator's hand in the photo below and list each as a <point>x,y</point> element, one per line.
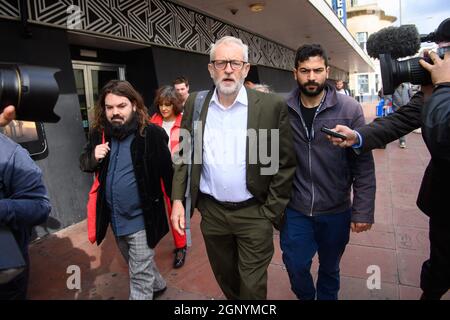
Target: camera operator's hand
<point>440,69</point>
<point>8,114</point>
<point>101,151</point>
<point>352,137</point>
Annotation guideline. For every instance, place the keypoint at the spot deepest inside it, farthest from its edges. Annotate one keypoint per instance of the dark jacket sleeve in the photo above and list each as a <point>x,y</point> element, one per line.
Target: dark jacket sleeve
<point>436,123</point>
<point>181,167</point>
<point>281,184</point>
<point>387,129</point>
<point>364,182</point>
<point>87,157</point>
<point>162,151</point>
<point>27,203</point>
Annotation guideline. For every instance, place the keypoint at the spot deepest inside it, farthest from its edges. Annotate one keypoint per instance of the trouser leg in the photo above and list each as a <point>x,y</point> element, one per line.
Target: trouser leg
<point>332,235</point>
<point>435,275</point>
<point>239,244</point>
<point>144,274</point>
<point>299,246</point>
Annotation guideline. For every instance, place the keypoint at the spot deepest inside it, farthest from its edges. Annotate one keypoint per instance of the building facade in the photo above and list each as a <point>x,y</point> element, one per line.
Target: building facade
<point>363,19</point>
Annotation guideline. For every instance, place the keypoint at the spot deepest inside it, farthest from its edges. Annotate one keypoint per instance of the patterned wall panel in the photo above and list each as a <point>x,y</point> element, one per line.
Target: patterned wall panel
<point>150,21</point>
<point>9,8</point>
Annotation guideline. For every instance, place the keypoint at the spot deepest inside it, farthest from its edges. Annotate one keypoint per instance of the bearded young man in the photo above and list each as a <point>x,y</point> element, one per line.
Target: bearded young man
<point>237,199</point>
<point>130,163</point>
<point>320,212</point>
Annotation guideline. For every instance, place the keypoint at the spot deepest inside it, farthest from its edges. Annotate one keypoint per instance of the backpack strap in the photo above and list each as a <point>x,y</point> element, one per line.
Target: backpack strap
<point>198,105</point>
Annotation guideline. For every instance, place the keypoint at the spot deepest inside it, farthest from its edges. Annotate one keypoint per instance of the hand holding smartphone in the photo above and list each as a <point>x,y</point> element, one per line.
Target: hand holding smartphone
<point>333,133</point>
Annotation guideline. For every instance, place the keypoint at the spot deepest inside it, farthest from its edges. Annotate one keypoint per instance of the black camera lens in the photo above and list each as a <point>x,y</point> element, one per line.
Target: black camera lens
<point>394,72</point>
<point>33,91</point>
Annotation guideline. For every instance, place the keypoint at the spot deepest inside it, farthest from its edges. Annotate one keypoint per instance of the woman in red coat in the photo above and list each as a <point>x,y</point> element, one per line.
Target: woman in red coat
<point>168,115</point>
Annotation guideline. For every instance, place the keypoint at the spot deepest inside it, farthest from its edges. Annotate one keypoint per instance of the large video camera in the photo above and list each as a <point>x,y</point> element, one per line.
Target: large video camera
<point>33,91</point>
<point>392,43</point>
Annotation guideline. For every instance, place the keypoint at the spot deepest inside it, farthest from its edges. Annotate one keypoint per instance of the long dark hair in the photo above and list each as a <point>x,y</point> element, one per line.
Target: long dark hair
<point>124,89</point>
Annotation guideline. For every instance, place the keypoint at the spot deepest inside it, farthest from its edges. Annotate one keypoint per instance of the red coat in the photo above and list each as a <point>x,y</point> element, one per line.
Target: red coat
<point>174,132</point>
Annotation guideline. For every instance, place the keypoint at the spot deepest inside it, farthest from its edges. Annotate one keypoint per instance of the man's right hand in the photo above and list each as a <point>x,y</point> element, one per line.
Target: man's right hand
<point>352,137</point>
<point>177,216</point>
<point>101,151</point>
<point>8,114</point>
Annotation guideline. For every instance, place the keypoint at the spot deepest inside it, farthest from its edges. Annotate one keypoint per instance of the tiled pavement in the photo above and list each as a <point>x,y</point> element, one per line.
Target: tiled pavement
<point>397,244</point>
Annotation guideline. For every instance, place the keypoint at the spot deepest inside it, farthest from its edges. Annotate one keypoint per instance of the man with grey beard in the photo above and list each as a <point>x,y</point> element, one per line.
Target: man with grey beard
<point>238,198</point>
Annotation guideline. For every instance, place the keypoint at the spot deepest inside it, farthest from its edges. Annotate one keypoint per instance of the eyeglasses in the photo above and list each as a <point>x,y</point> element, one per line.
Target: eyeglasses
<point>222,64</point>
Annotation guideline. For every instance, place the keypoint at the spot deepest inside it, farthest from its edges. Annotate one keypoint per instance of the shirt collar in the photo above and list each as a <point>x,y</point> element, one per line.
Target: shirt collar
<point>241,99</point>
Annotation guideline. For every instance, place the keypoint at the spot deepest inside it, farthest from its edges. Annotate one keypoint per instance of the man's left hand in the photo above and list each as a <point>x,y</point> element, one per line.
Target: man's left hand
<point>8,114</point>
<point>360,227</point>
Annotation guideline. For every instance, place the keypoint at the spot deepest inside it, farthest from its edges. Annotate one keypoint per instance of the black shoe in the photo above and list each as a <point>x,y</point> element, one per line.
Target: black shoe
<point>180,257</point>
<point>158,293</point>
<point>430,296</point>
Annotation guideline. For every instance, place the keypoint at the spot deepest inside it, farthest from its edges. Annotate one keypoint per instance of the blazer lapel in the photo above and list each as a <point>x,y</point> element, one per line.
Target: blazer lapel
<point>254,109</point>
<point>254,112</point>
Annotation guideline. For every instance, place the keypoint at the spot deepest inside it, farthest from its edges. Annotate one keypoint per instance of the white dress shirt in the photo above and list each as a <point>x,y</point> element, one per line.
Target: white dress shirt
<point>224,150</point>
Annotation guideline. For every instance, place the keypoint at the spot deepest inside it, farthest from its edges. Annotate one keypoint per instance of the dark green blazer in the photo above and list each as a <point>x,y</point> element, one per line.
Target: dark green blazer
<point>265,111</point>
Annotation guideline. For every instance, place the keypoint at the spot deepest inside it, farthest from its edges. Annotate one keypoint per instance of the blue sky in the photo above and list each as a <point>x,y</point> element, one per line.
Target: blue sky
<point>425,14</point>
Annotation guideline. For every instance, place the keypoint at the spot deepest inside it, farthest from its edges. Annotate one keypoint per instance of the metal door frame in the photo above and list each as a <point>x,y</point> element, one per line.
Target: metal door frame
<point>87,67</point>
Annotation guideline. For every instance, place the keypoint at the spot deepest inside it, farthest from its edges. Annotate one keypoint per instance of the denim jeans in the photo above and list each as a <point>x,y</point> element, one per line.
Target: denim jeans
<point>301,238</point>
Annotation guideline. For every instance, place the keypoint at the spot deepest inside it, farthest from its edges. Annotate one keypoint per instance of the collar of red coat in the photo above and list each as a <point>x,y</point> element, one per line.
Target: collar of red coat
<point>158,120</point>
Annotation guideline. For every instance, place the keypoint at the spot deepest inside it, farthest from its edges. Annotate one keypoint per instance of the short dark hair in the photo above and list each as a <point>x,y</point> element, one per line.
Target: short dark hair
<point>180,80</point>
<point>167,94</point>
<point>307,51</point>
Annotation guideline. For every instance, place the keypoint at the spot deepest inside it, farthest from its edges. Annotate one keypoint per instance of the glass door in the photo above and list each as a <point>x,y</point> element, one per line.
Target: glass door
<point>89,80</point>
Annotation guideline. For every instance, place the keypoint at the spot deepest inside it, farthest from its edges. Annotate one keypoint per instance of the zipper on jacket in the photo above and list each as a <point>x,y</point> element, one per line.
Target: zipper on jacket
<point>310,174</point>
<point>310,137</point>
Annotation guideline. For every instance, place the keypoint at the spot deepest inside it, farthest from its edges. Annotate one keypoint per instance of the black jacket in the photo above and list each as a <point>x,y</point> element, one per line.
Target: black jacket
<point>151,162</point>
<point>434,119</point>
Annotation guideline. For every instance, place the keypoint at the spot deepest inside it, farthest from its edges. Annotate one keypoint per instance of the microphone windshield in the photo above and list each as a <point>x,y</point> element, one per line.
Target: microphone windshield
<point>399,42</point>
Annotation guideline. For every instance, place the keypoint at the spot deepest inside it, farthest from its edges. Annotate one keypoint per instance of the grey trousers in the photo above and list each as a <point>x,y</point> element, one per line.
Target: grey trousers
<point>144,275</point>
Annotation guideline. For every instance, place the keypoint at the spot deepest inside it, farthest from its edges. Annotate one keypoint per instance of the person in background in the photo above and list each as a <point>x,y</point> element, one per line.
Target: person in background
<point>181,85</point>
<point>262,87</point>
<point>168,116</point>
<point>340,88</point>
<point>401,96</point>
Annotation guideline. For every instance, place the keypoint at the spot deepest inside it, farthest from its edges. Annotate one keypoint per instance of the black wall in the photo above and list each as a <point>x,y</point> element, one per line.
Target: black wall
<point>141,73</point>
<point>67,185</point>
<point>170,63</point>
<point>281,81</point>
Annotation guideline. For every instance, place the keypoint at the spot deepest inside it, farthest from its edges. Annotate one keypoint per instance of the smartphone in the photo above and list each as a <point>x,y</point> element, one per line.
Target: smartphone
<point>333,133</point>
